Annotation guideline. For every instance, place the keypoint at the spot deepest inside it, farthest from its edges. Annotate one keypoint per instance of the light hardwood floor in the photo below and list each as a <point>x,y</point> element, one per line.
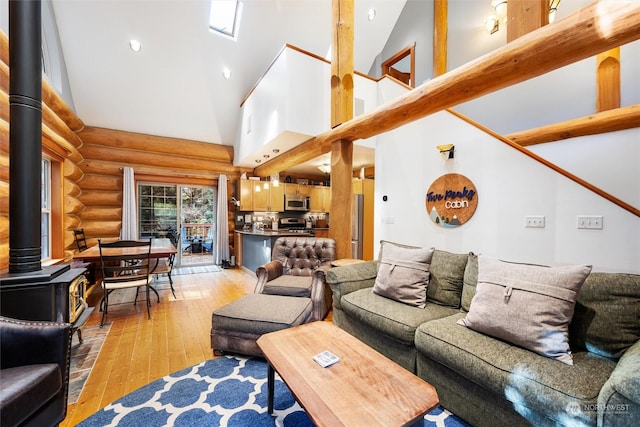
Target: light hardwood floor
<point>138,351</point>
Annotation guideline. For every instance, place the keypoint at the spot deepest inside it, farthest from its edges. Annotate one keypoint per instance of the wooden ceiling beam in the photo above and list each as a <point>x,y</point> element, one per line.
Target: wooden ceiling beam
<point>606,121</point>
<point>585,33</point>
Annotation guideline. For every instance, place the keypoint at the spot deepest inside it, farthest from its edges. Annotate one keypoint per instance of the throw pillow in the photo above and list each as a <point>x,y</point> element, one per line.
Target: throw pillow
<point>445,281</point>
<point>527,305</point>
<point>470,281</point>
<point>607,315</point>
<point>403,274</point>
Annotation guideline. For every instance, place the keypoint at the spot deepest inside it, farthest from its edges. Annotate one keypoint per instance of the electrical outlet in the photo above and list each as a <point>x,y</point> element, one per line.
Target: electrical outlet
<point>534,221</point>
<point>591,222</point>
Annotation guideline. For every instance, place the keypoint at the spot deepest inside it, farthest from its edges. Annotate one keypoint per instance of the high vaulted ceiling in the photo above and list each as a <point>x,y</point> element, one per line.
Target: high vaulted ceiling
<point>175,86</point>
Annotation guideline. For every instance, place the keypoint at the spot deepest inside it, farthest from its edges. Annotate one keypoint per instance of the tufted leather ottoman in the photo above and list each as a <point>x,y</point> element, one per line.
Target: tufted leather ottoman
<point>236,326</point>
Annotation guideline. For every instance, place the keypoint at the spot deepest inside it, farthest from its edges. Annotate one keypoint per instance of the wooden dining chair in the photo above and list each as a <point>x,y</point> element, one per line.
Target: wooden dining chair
<point>165,266</point>
<point>125,264</point>
<point>81,240</point>
<point>81,243</point>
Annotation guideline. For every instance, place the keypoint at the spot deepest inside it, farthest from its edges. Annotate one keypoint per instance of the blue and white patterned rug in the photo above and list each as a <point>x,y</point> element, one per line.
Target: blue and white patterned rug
<point>228,391</point>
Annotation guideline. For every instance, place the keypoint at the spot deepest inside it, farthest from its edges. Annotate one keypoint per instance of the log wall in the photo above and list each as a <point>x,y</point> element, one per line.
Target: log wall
<point>157,159</point>
<point>59,138</point>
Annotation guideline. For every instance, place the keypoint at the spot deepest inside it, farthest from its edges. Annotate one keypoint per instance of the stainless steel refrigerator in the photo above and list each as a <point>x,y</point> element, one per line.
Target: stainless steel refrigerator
<point>357,225</point>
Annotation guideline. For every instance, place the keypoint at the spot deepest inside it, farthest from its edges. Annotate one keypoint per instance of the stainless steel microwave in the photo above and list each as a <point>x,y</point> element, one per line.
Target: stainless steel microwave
<point>296,202</point>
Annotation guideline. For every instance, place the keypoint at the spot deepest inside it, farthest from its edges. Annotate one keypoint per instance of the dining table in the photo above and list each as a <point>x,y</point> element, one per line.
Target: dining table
<point>160,248</point>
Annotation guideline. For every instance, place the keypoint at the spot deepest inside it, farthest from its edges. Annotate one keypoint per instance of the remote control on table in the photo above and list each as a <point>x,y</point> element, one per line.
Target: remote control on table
<point>326,358</point>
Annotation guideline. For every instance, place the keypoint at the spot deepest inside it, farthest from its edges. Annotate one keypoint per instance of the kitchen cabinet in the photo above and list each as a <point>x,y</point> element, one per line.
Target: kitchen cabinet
<point>321,232</point>
<point>246,194</point>
<point>260,198</point>
<point>296,189</point>
<point>319,198</point>
<point>266,200</point>
<point>276,199</point>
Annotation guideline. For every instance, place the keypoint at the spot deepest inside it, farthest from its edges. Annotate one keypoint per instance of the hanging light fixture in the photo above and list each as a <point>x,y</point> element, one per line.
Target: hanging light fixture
<point>325,168</point>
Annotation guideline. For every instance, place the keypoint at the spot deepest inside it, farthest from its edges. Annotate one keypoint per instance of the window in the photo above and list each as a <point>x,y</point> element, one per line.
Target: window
<point>224,17</point>
<point>45,217</point>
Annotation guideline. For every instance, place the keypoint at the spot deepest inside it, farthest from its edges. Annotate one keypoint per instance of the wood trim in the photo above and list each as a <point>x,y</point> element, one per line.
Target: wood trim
<point>171,179</point>
<point>606,121</point>
<point>403,53</point>
<point>608,80</point>
<point>624,205</point>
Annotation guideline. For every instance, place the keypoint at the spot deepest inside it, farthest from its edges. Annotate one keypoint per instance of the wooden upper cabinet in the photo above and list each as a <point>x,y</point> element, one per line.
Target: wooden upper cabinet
<point>246,195</point>
<point>276,198</point>
<point>260,198</point>
<point>319,198</point>
<point>297,189</point>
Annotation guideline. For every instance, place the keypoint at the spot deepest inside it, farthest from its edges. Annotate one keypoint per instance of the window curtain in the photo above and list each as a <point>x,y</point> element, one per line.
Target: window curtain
<point>222,237</point>
<point>129,229</point>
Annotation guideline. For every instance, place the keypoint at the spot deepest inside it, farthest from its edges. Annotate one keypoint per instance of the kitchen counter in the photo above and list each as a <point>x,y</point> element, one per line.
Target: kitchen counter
<point>272,233</point>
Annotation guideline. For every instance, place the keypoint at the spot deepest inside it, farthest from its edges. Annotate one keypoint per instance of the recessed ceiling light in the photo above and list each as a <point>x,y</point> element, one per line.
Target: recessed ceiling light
<point>226,73</point>
<point>371,14</point>
<point>135,45</point>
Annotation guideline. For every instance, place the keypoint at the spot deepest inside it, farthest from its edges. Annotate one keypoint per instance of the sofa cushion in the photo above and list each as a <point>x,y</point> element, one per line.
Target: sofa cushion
<point>522,376</point>
<point>446,281</point>
<point>403,274</point>
<point>470,281</point>
<point>293,286</point>
<point>527,305</point>
<point>388,316</point>
<point>607,314</point>
<point>26,388</point>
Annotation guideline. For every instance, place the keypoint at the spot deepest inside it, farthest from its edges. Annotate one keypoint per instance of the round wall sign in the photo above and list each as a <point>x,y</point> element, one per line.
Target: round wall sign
<point>451,200</point>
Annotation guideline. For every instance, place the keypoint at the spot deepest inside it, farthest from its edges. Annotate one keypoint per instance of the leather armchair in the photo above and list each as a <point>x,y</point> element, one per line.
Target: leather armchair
<point>34,372</point>
<point>297,268</point>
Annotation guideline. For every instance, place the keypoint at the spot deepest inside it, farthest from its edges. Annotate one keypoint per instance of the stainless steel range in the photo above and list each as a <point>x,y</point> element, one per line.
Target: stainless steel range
<point>295,225</point>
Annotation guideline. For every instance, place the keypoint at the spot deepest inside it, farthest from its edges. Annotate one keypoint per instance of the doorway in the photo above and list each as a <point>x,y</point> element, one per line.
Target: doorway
<point>402,66</point>
<point>184,214</point>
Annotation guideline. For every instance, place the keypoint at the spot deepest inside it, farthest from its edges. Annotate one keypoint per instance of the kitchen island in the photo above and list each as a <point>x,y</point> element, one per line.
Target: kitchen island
<point>253,248</point>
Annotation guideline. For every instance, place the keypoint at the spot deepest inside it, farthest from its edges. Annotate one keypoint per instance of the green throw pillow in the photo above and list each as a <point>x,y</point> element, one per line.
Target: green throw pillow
<point>607,316</point>
<point>447,272</point>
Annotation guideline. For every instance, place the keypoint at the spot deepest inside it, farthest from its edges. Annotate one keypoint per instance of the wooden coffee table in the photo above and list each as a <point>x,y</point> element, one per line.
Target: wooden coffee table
<point>363,388</point>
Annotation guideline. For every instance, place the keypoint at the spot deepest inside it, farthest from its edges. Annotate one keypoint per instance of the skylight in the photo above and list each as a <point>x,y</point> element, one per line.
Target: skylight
<point>225,17</point>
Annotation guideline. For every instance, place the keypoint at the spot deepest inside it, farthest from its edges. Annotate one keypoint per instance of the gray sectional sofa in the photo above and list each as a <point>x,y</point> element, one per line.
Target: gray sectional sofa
<point>488,381</point>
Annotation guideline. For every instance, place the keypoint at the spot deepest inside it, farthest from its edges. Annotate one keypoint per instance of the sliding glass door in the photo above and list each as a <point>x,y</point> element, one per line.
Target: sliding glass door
<point>185,215</point>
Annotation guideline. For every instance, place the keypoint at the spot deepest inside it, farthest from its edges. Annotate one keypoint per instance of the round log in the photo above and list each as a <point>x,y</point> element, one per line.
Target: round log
<point>97,213</point>
<point>101,182</point>
<point>72,171</point>
<point>101,198</point>
<point>165,145</point>
<point>73,206</point>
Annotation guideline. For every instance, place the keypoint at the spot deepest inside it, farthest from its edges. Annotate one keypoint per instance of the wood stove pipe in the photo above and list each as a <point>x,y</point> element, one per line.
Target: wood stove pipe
<point>25,135</point>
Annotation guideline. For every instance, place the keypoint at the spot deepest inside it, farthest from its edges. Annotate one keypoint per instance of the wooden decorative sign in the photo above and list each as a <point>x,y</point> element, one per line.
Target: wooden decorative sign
<point>451,200</point>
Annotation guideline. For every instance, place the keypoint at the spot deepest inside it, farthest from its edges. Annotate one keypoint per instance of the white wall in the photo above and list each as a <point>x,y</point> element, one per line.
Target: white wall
<point>291,104</point>
<point>284,104</point>
<point>510,186</point>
